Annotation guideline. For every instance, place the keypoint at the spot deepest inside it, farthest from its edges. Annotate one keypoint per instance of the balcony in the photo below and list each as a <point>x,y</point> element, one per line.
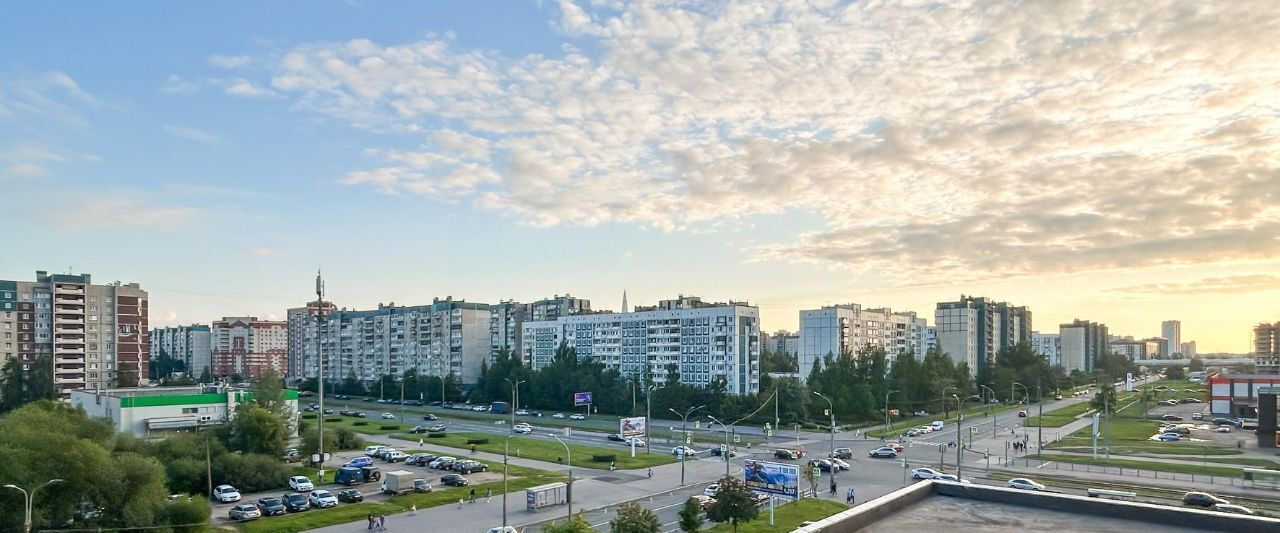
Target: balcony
<point>69,330</point>
<point>68,360</point>
<point>68,289</point>
<point>69,300</point>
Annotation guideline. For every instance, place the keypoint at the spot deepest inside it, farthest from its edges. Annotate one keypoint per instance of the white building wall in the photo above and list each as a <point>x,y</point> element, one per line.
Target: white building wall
<point>1073,348</point>
<point>849,328</point>
<point>1047,345</point>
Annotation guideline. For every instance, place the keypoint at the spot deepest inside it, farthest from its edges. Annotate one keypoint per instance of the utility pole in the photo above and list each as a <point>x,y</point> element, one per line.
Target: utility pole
<point>506,450</point>
<point>684,430</point>
<point>515,388</point>
<point>569,459</point>
<point>648,417</point>
<point>832,410</point>
<point>993,418</point>
<point>1040,425</point>
<point>959,436</point>
<point>888,422</point>
<point>320,375</point>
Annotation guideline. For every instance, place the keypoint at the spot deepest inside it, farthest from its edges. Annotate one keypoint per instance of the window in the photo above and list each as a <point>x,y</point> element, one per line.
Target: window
<point>189,410</point>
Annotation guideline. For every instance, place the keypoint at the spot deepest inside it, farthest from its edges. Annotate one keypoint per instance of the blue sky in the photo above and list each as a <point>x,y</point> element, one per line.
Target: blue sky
<point>791,154</point>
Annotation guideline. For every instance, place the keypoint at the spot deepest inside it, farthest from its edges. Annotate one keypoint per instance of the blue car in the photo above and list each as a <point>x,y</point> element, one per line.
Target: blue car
<point>359,462</point>
<point>1170,437</point>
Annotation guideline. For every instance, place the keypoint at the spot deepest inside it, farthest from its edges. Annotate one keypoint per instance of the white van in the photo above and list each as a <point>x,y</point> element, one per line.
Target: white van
<point>937,425</point>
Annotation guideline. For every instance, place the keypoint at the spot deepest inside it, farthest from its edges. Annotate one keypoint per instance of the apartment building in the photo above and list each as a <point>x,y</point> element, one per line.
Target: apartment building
<point>1082,343</point>
<point>1137,350</point>
<point>781,341</point>
<point>302,339</point>
<point>1187,349</point>
<point>1171,330</point>
<point>705,341</point>
<point>558,306</point>
<point>506,328</point>
<point>445,337</point>
<point>837,329</point>
<point>973,330</point>
<point>1048,346</point>
<point>96,335</point>
<point>248,347</point>
<point>190,344</point>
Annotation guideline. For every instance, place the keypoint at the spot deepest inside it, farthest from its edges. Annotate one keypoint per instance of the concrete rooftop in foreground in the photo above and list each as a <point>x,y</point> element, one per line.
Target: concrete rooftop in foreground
<point>961,514</point>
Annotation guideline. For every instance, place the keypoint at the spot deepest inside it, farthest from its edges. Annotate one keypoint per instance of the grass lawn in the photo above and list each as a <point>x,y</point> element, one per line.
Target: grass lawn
<point>372,426</point>
<point>520,478</point>
<point>1154,448</point>
<point>786,517</point>
<point>1049,421</point>
<point>549,451</point>
<point>901,425</point>
<point>1146,465</point>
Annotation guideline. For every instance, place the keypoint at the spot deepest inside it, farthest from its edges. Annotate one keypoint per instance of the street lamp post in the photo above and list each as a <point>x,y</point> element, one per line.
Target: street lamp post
<point>506,450</point>
<point>684,432</point>
<point>726,443</point>
<point>830,409</point>
<point>945,414</point>
<point>515,398</point>
<point>648,417</point>
<point>28,498</point>
<point>568,455</point>
<point>959,436</point>
<point>1012,388</point>
<point>1040,419</point>
<point>887,421</point>
<point>401,399</point>
<point>993,419</point>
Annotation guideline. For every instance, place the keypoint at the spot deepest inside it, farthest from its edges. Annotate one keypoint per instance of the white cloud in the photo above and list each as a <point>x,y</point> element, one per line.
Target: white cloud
<point>175,84</point>
<point>259,251</point>
<point>192,134</point>
<point>117,209</point>
<point>970,140</point>
<point>48,97</point>
<point>226,61</point>
<point>246,89</point>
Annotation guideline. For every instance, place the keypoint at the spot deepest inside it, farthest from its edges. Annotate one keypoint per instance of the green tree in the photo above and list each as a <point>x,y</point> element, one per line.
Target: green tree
<point>1105,400</point>
<point>13,386</point>
<point>733,504</point>
<point>351,386</point>
<point>1175,373</point>
<point>268,393</point>
<point>632,518</point>
<point>257,430</point>
<point>1197,364</point>
<point>575,524</point>
<point>181,514</point>
<point>40,381</point>
<point>691,516</point>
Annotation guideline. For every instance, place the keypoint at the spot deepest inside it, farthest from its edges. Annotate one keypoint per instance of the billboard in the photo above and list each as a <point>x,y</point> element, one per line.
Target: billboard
<point>582,398</point>
<point>780,479</point>
<point>631,427</point>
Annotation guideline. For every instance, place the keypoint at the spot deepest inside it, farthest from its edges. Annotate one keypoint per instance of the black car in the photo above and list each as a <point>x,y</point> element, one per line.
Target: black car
<point>271,506</point>
<point>361,415</point>
<point>418,429</point>
<point>436,403</point>
<point>295,502</point>
<point>1202,499</point>
<point>368,399</point>
<point>1171,418</point>
<point>616,437</point>
<point>454,480</point>
<point>350,496</point>
<point>419,459</point>
<point>430,416</point>
<point>842,453</point>
<point>342,397</point>
<point>468,467</point>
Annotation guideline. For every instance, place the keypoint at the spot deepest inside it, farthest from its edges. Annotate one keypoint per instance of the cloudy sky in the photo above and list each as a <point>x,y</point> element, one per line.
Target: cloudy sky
<point>1113,161</point>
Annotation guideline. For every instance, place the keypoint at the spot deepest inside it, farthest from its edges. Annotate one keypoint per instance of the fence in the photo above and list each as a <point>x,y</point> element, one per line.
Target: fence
<point>1235,481</point>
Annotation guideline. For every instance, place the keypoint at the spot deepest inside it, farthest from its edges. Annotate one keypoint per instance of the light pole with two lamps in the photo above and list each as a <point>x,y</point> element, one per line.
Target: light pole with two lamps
<point>684,431</point>
<point>960,418</point>
<point>568,456</point>
<point>984,400</point>
<point>726,443</point>
<point>28,498</point>
<point>515,398</point>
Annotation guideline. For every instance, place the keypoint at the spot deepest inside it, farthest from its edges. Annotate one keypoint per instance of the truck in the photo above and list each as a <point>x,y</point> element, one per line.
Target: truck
<point>350,475</point>
<point>500,408</point>
<point>397,482</point>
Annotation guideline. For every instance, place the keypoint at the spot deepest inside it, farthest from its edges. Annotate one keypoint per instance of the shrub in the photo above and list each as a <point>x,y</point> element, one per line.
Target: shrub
<point>333,419</point>
<point>193,511</point>
<point>477,441</point>
<point>604,458</point>
<point>250,472</point>
<point>440,435</point>
<point>345,439</point>
<point>360,423</point>
<point>308,416</point>
<point>389,427</point>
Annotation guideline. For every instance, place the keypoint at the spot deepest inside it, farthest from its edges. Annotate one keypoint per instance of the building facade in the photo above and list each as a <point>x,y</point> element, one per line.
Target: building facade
<point>702,341</point>
<point>1137,350</point>
<point>445,337</point>
<point>973,330</point>
<point>781,341</point>
<point>95,335</point>
<point>302,339</point>
<point>1082,343</point>
<point>1266,339</point>
<point>558,306</point>
<point>1171,330</point>
<point>506,328</point>
<point>1048,346</point>
<point>1188,349</point>
<point>160,412</point>
<point>247,347</point>
<point>190,344</point>
<point>848,328</point>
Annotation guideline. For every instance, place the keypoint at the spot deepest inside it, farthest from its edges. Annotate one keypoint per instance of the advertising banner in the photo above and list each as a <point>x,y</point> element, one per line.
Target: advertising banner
<point>582,398</point>
<point>779,479</point>
<point>631,427</point>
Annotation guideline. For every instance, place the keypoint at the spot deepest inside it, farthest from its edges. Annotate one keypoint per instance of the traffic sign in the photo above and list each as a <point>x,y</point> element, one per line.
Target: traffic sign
<point>724,447</point>
<point>817,472</point>
<point>737,439</point>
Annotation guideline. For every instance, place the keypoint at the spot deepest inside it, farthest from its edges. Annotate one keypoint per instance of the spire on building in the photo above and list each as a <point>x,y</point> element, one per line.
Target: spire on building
<point>624,301</point>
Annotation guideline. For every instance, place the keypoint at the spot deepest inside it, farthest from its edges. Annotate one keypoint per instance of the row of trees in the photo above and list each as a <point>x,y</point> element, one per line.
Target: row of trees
<point>734,505</point>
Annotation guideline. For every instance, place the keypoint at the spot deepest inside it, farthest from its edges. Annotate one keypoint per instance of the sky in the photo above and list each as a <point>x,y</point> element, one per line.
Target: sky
<point>1109,161</point>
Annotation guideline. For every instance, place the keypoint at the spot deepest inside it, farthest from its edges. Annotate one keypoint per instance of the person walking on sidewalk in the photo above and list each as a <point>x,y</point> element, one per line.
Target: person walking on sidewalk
<point>650,473</point>
<point>473,496</point>
<point>371,521</point>
<point>488,495</point>
<point>382,522</point>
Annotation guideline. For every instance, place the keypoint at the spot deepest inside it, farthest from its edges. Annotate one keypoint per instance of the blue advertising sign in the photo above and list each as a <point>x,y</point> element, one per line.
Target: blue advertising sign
<point>582,398</point>
<point>781,479</point>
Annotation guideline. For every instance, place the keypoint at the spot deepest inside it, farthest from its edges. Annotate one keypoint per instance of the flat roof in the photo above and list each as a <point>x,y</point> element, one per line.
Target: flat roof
<point>962,514</point>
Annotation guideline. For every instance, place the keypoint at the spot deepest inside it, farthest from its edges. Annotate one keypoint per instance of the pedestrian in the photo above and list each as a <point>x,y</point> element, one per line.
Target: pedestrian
<point>488,495</point>
<point>650,473</point>
<point>853,498</point>
<point>848,496</point>
<point>413,510</point>
<point>371,521</point>
<point>459,503</point>
<point>382,522</point>
<point>611,466</point>
<point>473,496</point>
<point>833,486</point>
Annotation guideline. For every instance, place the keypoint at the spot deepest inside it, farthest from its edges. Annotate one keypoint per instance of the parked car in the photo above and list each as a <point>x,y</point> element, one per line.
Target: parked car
<point>1224,429</point>
<point>1228,508</point>
<point>1169,437</point>
<point>842,453</point>
<point>419,459</point>
<point>301,484</point>
<point>468,467</point>
<point>1197,416</point>
<point>558,415</point>
<point>226,494</point>
<point>361,415</point>
<point>442,462</point>
<point>1226,421</point>
<point>383,453</point>
<point>522,428</point>
<point>435,403</point>
<point>323,499</point>
<point>952,478</point>
<point>1202,499</point>
<point>292,455</point>
<point>897,447</point>
<point>634,441</point>
<point>883,452</point>
<point>454,480</point>
<point>711,489</point>
<point>421,485</point>
<point>913,432</point>
<point>822,464</point>
<point>350,496</point>
<point>372,450</point>
<point>1171,418</point>
<point>783,453</point>
<point>359,462</point>
<point>683,450</point>
<point>925,473</point>
<point>577,416</point>
<point>245,512</point>
<point>839,463</point>
<point>1022,413</point>
<point>1024,484</point>
<point>328,411</point>
<point>1170,402</point>
<point>295,502</point>
<point>271,506</point>
<point>1057,397</point>
<point>395,456</point>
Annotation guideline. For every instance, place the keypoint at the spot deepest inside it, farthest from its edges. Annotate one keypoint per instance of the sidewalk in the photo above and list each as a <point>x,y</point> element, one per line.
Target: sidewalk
<point>1163,480</point>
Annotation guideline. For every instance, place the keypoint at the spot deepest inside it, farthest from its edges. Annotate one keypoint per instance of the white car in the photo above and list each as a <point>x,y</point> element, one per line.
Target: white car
<point>371,451</point>
<point>479,409</point>
<point>683,450</point>
<point>522,412</point>
<point>301,484</point>
<point>522,428</point>
<point>226,494</point>
<point>1024,484</point>
<point>639,442</point>
<point>244,512</point>
<point>435,463</point>
<point>388,416</point>
<point>925,473</point>
<point>1224,429</point>
<point>395,456</point>
<point>711,490</point>
<point>925,429</point>
<point>577,417</point>
<point>558,415</point>
<point>502,529</point>
<point>839,463</point>
<point>322,498</point>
